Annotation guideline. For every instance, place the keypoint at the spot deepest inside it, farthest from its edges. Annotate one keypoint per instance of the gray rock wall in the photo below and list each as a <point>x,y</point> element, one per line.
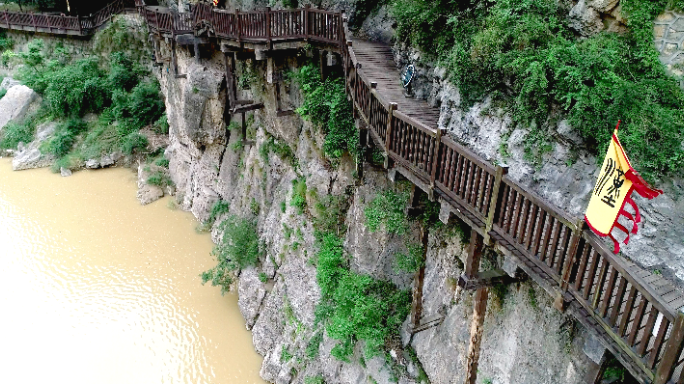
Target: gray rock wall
<point>206,165</point>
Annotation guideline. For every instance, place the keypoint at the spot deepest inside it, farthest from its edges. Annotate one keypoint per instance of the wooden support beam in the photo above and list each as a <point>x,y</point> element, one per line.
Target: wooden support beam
<point>472,264</point>
<point>596,371</point>
<point>246,108</point>
<point>321,64</point>
<point>417,303</point>
<point>484,279</point>
<point>230,79</point>
<point>479,311</point>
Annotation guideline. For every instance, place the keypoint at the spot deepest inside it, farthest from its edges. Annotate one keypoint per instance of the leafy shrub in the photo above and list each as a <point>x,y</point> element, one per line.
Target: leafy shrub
<point>133,142</point>
<point>64,138</point>
<point>15,133</point>
<point>162,125</point>
<point>6,43</point>
<point>356,307</point>
<point>3,92</point>
<point>388,209</point>
<point>263,277</point>
<point>142,106</point>
<point>279,148</point>
<point>314,345</point>
<point>219,208</point>
<point>122,74</point>
<point>285,355</point>
<point>314,380</point>
<point>238,248</point>
<point>159,179</point>
<point>72,161</point>
<point>524,53</point>
<point>326,105</point>
<point>240,242</point>
<point>298,199</point>
<point>162,162</point>
<point>411,260</point>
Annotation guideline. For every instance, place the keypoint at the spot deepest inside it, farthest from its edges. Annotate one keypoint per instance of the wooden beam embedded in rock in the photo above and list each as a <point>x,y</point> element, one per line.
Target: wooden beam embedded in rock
<point>417,303</point>
<point>473,357</point>
<point>246,108</point>
<point>484,279</point>
<point>472,264</point>
<point>230,79</point>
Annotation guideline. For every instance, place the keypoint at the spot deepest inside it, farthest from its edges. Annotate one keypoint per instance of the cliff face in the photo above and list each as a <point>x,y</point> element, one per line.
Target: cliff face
<point>525,339</point>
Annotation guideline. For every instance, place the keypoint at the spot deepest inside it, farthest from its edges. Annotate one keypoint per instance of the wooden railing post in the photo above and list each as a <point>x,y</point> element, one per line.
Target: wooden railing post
<point>673,349</point>
<point>268,26</point>
<point>7,20</point>
<point>239,26</point>
<point>373,86</point>
<point>388,133</point>
<point>306,21</point>
<point>572,255</point>
<point>435,159</point>
<point>80,27</point>
<point>501,171</point>
<point>33,19</point>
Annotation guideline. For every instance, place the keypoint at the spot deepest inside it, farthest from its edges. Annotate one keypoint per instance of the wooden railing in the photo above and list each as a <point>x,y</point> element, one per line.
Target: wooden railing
<point>630,312</point>
<point>643,325</point>
<point>62,24</point>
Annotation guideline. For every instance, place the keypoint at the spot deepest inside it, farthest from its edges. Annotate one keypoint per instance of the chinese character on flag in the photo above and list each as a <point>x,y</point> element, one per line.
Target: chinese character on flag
<point>613,191</point>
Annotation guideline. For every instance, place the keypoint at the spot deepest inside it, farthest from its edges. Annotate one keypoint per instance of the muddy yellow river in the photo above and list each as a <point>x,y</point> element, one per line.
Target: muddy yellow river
<point>95,288</point>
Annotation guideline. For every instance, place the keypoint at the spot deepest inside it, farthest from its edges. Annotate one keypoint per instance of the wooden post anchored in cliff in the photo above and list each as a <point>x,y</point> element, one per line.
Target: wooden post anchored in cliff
<point>479,311</point>
<point>417,304</point>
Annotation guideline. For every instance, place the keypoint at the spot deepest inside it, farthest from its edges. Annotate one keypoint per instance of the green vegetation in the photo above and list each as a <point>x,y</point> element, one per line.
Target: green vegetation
<point>314,380</point>
<point>524,54</point>
<point>388,209</point>
<point>263,277</point>
<point>279,148</point>
<point>162,162</point>
<point>298,199</point>
<point>6,43</point>
<point>422,376</point>
<point>356,307</point>
<point>411,260</point>
<point>64,138</point>
<point>18,132</point>
<point>532,297</point>
<point>285,355</point>
<point>3,92</point>
<point>219,208</point>
<point>159,179</point>
<point>314,344</point>
<point>329,215</point>
<point>113,85</point>
<point>238,248</point>
<point>326,105</point>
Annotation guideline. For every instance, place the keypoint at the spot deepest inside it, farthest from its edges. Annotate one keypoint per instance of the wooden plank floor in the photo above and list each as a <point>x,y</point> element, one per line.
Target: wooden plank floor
<point>377,63</point>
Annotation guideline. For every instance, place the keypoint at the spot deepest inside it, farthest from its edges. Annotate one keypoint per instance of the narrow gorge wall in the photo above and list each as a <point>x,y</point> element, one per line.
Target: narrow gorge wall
<point>525,339</point>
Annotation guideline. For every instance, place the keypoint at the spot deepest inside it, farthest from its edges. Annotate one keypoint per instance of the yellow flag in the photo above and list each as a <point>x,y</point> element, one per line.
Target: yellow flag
<point>616,182</point>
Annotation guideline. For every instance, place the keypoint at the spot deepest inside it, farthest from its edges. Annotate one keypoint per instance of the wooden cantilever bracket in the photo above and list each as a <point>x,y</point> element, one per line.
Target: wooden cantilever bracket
<point>426,324</point>
<point>246,107</point>
<point>484,279</point>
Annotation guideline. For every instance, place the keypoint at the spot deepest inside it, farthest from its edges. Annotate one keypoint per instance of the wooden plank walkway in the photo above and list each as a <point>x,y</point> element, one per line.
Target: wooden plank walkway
<point>378,64</point>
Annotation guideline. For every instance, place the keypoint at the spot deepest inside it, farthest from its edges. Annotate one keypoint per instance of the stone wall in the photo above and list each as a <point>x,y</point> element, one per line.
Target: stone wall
<point>669,40</point>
